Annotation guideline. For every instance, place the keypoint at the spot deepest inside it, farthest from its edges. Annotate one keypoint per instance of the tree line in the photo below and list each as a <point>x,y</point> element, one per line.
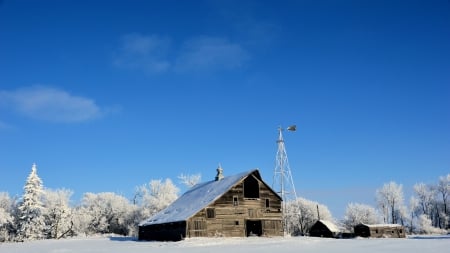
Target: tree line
<point>43,213</point>
<point>427,211</point>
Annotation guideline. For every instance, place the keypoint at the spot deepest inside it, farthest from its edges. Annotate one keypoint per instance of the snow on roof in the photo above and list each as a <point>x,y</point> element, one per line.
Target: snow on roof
<point>196,199</point>
<point>381,225</point>
<point>330,225</point>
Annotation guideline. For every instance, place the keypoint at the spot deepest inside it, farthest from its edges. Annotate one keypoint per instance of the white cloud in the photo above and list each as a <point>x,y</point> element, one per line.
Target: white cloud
<point>51,104</point>
<point>155,54</point>
<point>147,53</point>
<point>210,53</point>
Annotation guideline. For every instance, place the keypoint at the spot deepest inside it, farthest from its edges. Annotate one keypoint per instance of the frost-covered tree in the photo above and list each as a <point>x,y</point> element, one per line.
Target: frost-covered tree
<point>301,214</point>
<point>31,224</point>
<point>155,196</point>
<point>390,201</point>
<point>360,213</point>
<point>190,180</point>
<point>443,190</point>
<point>426,198</point>
<point>6,217</point>
<point>415,211</point>
<point>58,215</point>
<point>105,212</point>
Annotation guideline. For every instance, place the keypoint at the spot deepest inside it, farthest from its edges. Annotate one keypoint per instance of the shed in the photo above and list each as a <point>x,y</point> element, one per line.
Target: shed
<point>380,230</point>
<point>234,206</point>
<point>324,228</point>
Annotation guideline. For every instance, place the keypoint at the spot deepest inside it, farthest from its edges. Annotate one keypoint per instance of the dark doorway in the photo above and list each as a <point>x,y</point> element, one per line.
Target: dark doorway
<point>254,227</point>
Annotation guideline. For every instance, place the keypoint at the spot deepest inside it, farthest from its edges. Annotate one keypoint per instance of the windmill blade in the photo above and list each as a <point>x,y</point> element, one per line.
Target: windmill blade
<point>292,128</point>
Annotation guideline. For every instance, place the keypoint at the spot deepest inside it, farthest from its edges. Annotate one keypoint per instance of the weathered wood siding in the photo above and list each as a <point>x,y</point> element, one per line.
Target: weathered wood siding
<point>232,210</point>
<point>380,231</point>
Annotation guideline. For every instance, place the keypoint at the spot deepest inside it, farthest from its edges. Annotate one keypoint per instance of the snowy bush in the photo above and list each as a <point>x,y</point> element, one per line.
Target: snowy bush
<point>424,226</point>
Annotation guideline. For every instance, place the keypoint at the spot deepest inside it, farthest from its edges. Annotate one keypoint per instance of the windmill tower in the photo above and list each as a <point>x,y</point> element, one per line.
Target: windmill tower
<point>283,183</point>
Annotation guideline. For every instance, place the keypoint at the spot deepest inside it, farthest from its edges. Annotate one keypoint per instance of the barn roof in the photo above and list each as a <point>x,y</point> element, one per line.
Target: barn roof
<point>196,199</point>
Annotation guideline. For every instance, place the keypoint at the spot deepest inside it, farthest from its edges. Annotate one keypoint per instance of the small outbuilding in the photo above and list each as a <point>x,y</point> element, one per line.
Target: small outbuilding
<point>380,230</point>
<point>234,206</point>
<point>324,228</point>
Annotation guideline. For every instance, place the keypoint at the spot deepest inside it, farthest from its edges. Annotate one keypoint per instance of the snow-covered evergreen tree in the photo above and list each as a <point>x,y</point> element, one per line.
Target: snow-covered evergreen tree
<point>360,213</point>
<point>31,225</point>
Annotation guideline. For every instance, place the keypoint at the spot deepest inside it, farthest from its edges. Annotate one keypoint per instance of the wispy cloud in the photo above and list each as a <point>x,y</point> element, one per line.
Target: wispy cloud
<point>3,125</point>
<point>210,53</point>
<point>50,104</point>
<point>143,52</point>
<point>155,54</point>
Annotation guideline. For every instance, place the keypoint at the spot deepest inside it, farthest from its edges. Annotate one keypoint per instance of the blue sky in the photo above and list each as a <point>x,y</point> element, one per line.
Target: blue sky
<point>105,96</point>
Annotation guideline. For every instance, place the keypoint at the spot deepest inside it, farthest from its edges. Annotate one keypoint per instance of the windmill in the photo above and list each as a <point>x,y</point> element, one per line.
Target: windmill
<point>283,183</point>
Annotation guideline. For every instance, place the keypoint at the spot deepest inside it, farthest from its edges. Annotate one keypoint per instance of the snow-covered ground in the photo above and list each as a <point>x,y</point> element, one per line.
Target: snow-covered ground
<point>434,244</point>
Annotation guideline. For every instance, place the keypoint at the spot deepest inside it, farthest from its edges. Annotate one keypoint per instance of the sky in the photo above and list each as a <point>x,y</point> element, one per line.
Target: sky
<point>105,96</point>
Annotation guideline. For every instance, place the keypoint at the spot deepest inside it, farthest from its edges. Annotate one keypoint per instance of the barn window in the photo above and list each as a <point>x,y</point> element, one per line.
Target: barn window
<point>210,213</point>
<point>235,201</point>
<point>267,203</point>
<point>251,188</point>
<point>236,223</point>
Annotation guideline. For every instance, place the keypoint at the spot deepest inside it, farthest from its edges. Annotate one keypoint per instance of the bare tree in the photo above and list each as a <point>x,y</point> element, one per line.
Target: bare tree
<point>190,180</point>
<point>443,189</point>
<point>425,195</point>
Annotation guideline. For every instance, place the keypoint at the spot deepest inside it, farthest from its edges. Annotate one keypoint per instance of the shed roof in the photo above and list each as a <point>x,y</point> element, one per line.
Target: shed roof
<point>380,225</point>
<point>196,199</point>
<point>330,225</point>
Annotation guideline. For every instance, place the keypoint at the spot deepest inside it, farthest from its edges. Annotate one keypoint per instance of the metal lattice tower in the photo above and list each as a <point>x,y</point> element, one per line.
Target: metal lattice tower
<point>283,183</point>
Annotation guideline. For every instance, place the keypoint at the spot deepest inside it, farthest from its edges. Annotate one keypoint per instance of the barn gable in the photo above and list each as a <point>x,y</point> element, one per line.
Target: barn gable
<point>237,205</point>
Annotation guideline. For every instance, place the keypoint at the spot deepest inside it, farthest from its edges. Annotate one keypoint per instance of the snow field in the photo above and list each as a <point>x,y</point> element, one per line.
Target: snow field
<point>113,244</point>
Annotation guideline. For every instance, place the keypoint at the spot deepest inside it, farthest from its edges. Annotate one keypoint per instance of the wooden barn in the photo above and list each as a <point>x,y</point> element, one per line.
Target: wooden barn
<point>324,228</point>
<point>234,206</point>
<point>380,230</point>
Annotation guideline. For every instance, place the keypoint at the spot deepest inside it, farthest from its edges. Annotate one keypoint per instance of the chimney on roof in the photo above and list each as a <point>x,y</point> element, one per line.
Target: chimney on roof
<point>219,175</point>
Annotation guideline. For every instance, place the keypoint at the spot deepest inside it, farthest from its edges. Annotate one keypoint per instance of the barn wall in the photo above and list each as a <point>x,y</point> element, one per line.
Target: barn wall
<point>174,231</point>
<point>232,210</point>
